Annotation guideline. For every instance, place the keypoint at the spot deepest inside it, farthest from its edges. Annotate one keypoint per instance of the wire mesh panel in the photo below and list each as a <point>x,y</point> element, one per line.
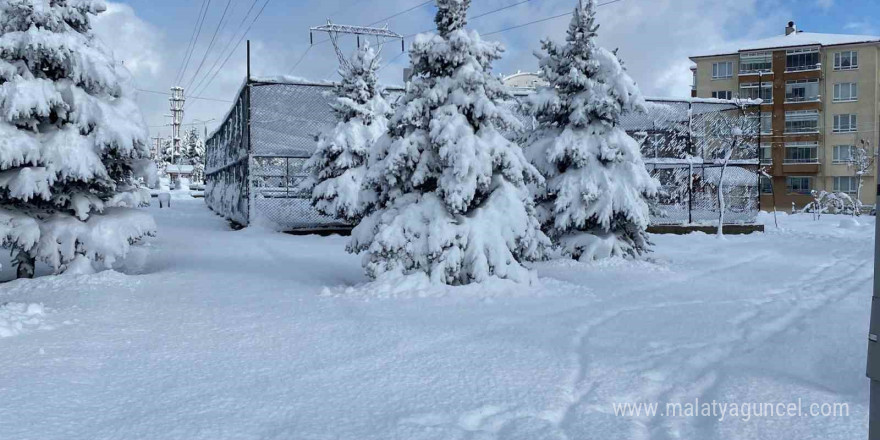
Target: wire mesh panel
<point>226,165</point>
<point>694,147</point>
<point>279,199</point>
<point>704,154</point>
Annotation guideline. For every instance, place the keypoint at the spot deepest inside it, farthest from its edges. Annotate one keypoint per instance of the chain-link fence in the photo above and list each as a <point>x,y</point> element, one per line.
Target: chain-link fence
<point>255,158</point>
<point>227,165</point>
<point>704,153</point>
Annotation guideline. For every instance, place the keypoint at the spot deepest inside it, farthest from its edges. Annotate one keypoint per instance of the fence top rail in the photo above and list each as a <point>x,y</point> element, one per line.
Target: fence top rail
<point>282,80</point>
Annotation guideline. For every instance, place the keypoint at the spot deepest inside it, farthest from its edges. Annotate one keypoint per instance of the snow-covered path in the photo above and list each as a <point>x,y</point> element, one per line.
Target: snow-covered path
<point>250,334</point>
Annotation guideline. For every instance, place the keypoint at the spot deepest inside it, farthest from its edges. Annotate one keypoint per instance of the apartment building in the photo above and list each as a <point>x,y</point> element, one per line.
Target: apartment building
<point>820,97</point>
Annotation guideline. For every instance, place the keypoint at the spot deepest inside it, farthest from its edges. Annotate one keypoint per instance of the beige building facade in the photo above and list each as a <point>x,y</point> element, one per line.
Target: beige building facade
<point>820,97</point>
<point>523,81</point>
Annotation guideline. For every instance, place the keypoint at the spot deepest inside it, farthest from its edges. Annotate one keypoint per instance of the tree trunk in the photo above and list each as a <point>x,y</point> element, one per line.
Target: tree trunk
<point>26,264</point>
<point>857,203</point>
<point>721,200</point>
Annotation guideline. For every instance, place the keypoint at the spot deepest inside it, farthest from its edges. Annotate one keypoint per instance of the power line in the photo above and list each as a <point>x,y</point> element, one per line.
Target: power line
<point>388,63</point>
<point>498,10</point>
<point>228,43</point>
<point>263,8</point>
<point>188,97</point>
<point>401,12</point>
<point>543,20</point>
<point>476,16</point>
<point>190,44</point>
<point>301,57</point>
<point>195,42</point>
<point>220,25</point>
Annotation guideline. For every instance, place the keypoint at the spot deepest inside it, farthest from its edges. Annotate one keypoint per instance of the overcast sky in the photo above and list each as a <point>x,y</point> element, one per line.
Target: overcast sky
<point>655,38</point>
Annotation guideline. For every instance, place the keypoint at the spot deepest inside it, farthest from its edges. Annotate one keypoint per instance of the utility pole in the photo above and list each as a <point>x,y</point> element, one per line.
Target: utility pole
<point>156,154</point>
<point>873,370</point>
<point>177,100</point>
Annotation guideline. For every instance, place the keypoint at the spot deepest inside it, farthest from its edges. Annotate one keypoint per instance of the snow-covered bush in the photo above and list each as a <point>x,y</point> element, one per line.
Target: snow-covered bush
<point>594,203</point>
<point>193,153</point>
<point>337,167</point>
<point>70,136</point>
<point>451,197</point>
<point>830,202</point>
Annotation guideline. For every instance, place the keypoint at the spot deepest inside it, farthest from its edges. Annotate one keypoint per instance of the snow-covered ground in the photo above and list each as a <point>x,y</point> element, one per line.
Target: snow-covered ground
<point>211,333</point>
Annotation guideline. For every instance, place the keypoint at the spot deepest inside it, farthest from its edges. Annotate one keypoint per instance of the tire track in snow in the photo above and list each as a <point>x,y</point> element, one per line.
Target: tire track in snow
<point>698,373</point>
<point>579,384</point>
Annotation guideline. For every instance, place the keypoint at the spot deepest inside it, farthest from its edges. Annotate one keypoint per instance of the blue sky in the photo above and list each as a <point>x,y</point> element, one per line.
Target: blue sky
<point>654,36</point>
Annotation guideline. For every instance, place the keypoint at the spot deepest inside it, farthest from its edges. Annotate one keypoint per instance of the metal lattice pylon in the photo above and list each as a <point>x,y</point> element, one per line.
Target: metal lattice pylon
<point>334,30</point>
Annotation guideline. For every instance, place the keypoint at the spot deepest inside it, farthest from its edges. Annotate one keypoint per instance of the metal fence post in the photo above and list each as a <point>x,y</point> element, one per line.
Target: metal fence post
<point>690,162</point>
<point>873,368</point>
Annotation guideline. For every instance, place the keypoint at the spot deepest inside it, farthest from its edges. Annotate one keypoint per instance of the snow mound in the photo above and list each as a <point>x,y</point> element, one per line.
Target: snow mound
<point>419,285</point>
<point>766,218</point>
<point>17,318</point>
<point>608,264</point>
<point>849,223</point>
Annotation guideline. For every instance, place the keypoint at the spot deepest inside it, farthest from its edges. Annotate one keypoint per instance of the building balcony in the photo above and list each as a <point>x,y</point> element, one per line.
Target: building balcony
<point>800,166</point>
<point>803,68</point>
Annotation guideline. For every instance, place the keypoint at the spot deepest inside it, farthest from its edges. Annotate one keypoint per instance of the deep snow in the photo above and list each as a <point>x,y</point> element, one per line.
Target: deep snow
<point>216,333</point>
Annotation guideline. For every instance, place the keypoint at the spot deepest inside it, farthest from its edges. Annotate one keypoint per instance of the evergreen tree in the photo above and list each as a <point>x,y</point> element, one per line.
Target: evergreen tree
<point>450,187</point>
<point>70,138</point>
<point>594,203</point>
<point>338,165</point>
<point>167,155</point>
<point>194,153</point>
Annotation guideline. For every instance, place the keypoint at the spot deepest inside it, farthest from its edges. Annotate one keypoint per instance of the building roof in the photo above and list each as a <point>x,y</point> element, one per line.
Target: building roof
<point>179,169</point>
<point>797,39</point>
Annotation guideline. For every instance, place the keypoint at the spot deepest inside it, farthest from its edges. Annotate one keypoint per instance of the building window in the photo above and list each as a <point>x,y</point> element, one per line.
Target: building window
<point>801,59</point>
<point>766,154</point>
<point>799,184</point>
<point>723,94</point>
<point>842,153</point>
<point>845,123</point>
<point>766,185</point>
<point>802,90</point>
<point>846,92</point>
<point>750,91</point>
<point>754,62</point>
<point>846,184</point>
<point>801,152</point>
<point>847,60</point>
<point>802,121</point>
<point>766,122</point>
<point>722,70</point>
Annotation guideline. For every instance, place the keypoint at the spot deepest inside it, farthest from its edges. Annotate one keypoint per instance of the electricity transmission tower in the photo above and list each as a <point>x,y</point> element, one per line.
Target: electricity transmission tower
<point>334,30</point>
<point>177,101</point>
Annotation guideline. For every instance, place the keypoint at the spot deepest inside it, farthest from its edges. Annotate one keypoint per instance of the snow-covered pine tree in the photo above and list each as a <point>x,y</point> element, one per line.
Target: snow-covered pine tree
<point>594,201</point>
<point>451,189</point>
<point>194,154</point>
<point>337,167</point>
<point>165,150</point>
<point>70,138</point>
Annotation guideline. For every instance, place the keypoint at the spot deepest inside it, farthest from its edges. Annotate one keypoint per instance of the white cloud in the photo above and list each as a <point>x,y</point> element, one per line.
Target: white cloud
<point>864,27</point>
<point>131,39</point>
<point>655,38</point>
<point>154,61</point>
<point>825,4</point>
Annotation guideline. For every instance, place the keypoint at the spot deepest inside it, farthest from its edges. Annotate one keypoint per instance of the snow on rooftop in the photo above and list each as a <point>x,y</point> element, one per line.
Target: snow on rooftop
<point>796,39</point>
<point>179,169</point>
